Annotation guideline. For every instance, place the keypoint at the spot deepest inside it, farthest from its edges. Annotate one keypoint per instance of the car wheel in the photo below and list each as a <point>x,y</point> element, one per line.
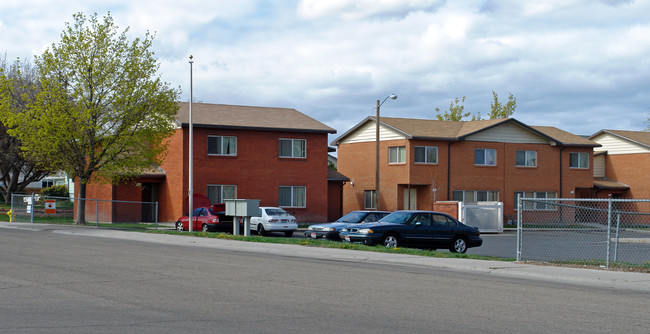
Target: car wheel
<point>179,226</point>
<point>390,241</point>
<point>260,229</point>
<point>288,234</point>
<point>204,228</point>
<point>459,245</point>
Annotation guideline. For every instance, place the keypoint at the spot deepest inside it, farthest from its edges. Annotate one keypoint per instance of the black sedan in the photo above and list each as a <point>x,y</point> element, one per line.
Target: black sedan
<point>331,230</point>
<point>425,229</point>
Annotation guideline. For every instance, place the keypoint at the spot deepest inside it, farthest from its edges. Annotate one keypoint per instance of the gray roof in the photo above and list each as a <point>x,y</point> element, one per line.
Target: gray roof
<point>249,117</point>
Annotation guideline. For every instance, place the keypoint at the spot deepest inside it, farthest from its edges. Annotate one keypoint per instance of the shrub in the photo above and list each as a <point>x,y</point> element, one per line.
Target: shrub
<point>60,190</point>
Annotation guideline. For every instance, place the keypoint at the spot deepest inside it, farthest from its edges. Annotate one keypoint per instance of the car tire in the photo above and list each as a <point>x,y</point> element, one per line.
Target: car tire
<point>459,245</point>
<point>205,228</point>
<point>390,241</point>
<point>260,229</point>
<point>288,234</point>
<point>179,226</point>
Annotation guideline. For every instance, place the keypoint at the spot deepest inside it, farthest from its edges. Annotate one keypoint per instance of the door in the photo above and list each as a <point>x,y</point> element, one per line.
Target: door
<point>441,230</point>
<point>410,199</point>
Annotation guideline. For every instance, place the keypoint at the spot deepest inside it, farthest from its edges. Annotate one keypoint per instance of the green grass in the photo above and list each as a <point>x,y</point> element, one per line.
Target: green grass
<point>599,264</point>
<point>331,244</point>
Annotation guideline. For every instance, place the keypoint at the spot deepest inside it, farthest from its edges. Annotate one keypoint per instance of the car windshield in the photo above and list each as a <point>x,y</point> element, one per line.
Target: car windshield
<point>397,218</point>
<point>276,212</point>
<point>352,217</point>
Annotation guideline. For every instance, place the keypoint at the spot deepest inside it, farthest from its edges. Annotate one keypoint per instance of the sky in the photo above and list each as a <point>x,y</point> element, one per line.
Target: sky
<point>578,65</point>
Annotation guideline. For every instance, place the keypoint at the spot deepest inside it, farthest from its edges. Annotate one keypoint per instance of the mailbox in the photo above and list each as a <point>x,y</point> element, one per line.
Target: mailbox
<point>242,207</point>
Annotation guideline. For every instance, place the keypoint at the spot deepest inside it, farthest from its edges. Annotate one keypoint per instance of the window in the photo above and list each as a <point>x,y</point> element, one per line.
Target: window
<point>47,183</point>
<point>396,154</point>
<point>426,154</point>
<point>532,205</point>
<point>369,199</point>
<point>485,157</point>
<point>526,158</point>
<point>218,193</point>
<point>293,148</point>
<point>222,145</point>
<point>579,160</point>
<point>292,196</point>
<point>473,196</point>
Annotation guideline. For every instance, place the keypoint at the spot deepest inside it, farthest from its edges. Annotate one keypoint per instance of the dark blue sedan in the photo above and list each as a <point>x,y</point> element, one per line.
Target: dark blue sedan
<point>331,230</point>
<point>424,229</point>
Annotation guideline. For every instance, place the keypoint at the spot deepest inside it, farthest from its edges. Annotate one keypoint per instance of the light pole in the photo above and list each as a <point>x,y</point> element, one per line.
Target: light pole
<point>392,97</point>
<point>191,166</point>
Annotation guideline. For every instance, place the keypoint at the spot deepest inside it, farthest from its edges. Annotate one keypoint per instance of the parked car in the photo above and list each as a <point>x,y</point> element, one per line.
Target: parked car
<point>272,219</point>
<point>331,230</point>
<point>206,219</point>
<point>426,229</point>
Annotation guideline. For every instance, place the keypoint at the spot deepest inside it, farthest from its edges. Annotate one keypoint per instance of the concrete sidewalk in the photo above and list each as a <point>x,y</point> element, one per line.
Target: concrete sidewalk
<point>589,277</point>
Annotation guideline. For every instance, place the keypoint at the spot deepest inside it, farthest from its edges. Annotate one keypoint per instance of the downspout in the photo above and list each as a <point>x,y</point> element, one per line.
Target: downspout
<point>562,150</point>
<point>449,170</point>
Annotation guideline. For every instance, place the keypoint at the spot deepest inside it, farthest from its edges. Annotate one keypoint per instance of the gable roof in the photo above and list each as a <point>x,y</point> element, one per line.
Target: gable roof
<point>248,117</point>
<point>459,130</point>
<point>639,137</point>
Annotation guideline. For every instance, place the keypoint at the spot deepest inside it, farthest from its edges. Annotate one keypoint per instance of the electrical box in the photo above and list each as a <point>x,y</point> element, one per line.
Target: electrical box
<point>242,207</point>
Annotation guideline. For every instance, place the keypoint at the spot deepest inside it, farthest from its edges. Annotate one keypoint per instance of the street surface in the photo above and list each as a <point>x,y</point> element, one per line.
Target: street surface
<point>83,280</point>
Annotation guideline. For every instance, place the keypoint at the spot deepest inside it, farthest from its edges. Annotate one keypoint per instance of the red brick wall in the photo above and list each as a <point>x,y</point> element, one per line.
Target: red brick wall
<point>357,161</point>
<point>630,169</point>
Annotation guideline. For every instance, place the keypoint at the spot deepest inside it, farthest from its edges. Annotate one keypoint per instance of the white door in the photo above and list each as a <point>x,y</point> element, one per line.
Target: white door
<point>410,199</point>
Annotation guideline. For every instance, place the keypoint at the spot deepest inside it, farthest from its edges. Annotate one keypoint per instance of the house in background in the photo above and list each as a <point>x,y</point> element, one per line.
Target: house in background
<point>276,155</point>
<point>621,164</point>
<point>425,161</point>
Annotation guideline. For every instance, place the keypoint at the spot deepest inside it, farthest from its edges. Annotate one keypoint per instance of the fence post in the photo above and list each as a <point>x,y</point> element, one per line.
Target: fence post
<point>33,207</point>
<point>11,217</point>
<point>96,213</point>
<point>519,226</point>
<point>618,227</point>
<point>156,215</point>
<point>609,230</point>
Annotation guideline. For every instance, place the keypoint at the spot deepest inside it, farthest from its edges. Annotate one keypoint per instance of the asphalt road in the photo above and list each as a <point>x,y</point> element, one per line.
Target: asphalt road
<point>61,280</point>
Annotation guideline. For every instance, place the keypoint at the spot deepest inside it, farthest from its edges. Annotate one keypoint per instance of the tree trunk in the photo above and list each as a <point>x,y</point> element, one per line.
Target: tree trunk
<point>81,205</point>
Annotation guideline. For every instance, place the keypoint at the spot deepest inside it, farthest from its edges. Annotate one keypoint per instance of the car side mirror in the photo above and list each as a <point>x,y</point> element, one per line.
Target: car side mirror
<point>418,224</point>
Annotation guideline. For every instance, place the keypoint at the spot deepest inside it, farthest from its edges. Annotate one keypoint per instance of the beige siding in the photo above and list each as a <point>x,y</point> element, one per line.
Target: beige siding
<point>367,132</point>
<point>616,145</point>
<point>508,133</point>
<point>599,166</point>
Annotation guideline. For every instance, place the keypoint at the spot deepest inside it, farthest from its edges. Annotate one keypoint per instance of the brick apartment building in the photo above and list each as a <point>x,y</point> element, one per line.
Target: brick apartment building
<point>619,164</point>
<point>424,161</point>
<point>276,155</point>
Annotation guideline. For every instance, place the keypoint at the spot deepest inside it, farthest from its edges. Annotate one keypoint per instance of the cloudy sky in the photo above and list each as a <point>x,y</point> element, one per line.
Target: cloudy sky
<point>579,65</point>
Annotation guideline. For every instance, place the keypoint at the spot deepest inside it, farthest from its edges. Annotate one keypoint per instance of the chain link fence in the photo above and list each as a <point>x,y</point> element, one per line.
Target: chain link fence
<point>601,232</point>
<point>50,209</point>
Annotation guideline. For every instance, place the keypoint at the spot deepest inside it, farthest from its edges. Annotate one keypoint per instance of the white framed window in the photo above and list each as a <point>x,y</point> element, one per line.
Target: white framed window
<point>579,160</point>
<point>529,205</point>
<point>485,157</point>
<point>426,154</point>
<point>473,196</point>
<point>222,145</point>
<point>292,196</point>
<point>369,199</point>
<point>46,183</point>
<point>217,193</point>
<point>526,158</point>
<point>293,148</point>
<point>397,154</point>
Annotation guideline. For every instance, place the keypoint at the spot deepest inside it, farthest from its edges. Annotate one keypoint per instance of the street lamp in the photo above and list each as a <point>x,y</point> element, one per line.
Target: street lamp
<point>392,97</point>
<point>190,180</point>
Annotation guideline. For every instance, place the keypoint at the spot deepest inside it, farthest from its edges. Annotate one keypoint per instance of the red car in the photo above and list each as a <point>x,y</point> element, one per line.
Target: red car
<point>207,220</point>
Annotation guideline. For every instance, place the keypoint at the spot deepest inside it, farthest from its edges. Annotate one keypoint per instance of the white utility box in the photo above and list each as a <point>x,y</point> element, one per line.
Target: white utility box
<point>245,208</point>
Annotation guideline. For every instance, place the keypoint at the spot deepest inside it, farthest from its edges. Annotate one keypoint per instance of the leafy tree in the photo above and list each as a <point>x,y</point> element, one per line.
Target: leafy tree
<point>102,112</point>
<point>59,190</point>
<point>498,110</point>
<point>17,170</point>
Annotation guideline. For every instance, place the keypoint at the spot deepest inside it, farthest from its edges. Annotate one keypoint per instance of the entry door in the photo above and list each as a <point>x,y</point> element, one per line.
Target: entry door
<point>410,199</point>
